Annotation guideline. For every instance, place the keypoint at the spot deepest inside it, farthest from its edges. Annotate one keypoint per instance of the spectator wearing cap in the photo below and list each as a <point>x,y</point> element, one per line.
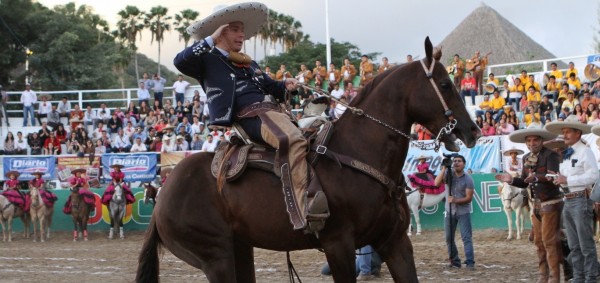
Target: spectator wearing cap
<point>64,108</point>
<point>28,99</point>
<point>44,107</point>
<point>167,144</point>
<point>181,144</point>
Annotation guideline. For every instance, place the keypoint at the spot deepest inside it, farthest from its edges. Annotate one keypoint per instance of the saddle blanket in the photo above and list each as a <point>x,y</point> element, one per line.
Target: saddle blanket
<point>18,199</point>
<point>110,191</point>
<point>427,186</point>
<point>49,198</point>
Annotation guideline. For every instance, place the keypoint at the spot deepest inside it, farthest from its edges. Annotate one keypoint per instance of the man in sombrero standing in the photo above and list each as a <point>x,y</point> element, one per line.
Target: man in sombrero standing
<point>545,198</point>
<point>578,172</point>
<point>239,92</point>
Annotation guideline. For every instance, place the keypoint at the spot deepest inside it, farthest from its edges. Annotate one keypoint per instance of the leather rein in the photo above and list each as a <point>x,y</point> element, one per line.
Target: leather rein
<point>435,144</point>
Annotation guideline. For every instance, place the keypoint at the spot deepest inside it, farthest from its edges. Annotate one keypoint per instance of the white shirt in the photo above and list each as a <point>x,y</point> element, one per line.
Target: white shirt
<point>167,147</point>
<point>22,144</point>
<point>44,107</point>
<point>138,147</point>
<point>106,115</point>
<point>337,93</point>
<point>89,116</point>
<point>209,147</point>
<point>97,133</point>
<point>180,86</point>
<point>28,98</point>
<point>129,131</point>
<point>580,169</point>
<point>143,94</point>
<point>121,141</point>
<point>64,107</point>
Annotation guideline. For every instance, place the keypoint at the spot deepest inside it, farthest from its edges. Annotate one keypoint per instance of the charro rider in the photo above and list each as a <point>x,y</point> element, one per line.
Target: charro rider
<point>239,92</point>
<point>84,190</point>
<point>38,182</point>
<point>545,197</point>
<point>117,179</point>
<point>12,192</point>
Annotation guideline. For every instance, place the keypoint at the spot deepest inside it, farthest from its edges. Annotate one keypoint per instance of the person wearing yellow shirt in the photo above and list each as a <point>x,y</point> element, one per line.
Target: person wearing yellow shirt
<point>492,79</point>
<point>553,87</point>
<point>558,74</point>
<point>516,92</point>
<point>533,97</point>
<point>524,77</point>
<point>498,103</point>
<point>571,70</point>
<point>531,115</point>
<point>533,83</point>
<point>573,82</point>
<point>570,102</point>
<point>562,95</point>
<point>484,106</point>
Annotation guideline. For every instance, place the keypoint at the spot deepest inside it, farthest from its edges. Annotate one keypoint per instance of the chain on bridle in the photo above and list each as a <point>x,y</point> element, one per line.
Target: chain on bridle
<point>435,144</point>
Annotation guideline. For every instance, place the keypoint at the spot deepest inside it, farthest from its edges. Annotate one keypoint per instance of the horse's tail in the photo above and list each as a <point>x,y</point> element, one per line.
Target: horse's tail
<point>148,267</point>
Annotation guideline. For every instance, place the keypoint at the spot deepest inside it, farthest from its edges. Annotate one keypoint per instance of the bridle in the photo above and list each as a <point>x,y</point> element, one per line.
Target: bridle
<point>435,144</point>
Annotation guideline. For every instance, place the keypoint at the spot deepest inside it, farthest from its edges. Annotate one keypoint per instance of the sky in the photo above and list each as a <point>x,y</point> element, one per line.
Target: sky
<point>394,28</point>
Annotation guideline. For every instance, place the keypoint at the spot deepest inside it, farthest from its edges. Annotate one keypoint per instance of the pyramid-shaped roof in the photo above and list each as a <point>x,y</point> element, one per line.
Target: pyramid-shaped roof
<point>485,30</point>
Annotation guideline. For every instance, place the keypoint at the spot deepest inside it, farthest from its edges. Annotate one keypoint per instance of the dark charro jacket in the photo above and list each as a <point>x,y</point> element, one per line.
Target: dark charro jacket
<point>543,189</point>
<point>228,88</point>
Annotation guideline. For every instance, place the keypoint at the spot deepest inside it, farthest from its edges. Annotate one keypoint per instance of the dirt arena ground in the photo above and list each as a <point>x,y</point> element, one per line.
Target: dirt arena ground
<point>100,260</point>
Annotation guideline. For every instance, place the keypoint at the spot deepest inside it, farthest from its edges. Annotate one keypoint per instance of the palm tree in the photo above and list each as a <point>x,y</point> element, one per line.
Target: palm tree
<point>182,21</point>
<point>158,22</point>
<point>129,27</point>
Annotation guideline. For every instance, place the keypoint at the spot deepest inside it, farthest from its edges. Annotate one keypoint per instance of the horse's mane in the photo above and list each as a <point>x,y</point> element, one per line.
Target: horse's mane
<point>367,88</point>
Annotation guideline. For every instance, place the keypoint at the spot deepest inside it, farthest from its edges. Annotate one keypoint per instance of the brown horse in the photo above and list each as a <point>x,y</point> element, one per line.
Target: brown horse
<point>80,212</point>
<point>216,231</point>
<point>150,193</point>
<point>8,211</point>
<point>40,213</point>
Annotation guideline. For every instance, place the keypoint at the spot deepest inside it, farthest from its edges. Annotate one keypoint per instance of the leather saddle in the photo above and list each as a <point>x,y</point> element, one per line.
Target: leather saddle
<point>232,158</point>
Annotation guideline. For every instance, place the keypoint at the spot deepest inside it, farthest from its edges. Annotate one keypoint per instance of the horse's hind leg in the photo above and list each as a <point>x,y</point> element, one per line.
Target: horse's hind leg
<point>398,255</point>
<point>519,221</point>
<point>507,211</point>
<point>34,220</point>
<point>244,262</point>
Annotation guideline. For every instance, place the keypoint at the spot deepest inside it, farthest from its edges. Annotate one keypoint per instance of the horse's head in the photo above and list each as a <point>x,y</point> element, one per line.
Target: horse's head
<point>435,102</point>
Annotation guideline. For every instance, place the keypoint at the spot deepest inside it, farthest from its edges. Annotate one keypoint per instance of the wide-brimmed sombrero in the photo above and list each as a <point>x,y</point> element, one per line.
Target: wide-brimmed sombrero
<point>421,157</point>
<point>47,96</point>
<point>514,149</point>
<point>570,122</point>
<point>558,142</point>
<point>252,14</point>
<point>116,166</point>
<point>596,130</point>
<point>520,135</point>
<point>168,128</point>
<point>13,172</point>
<point>166,138</point>
<point>78,170</point>
<point>38,173</point>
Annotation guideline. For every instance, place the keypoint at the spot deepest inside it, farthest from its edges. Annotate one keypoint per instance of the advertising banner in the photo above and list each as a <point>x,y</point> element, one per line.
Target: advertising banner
<point>137,167</point>
<point>68,163</point>
<point>30,164</point>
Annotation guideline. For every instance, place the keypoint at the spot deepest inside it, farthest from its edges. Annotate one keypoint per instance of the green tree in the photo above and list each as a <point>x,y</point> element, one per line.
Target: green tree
<point>158,22</point>
<point>182,21</point>
<point>129,27</point>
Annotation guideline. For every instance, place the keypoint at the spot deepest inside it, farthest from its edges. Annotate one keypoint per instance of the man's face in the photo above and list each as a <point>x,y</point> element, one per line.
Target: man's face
<point>546,99</point>
<point>571,65</point>
<point>318,63</point>
<point>232,37</point>
<point>534,143</point>
<point>571,136</point>
<point>456,58</point>
<point>138,141</point>
<point>458,164</point>
<point>553,67</point>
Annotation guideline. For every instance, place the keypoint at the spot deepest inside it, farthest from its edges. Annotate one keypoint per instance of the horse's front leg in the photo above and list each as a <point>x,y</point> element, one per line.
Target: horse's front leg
<point>398,255</point>
<point>42,220</point>
<point>75,229</point>
<point>508,212</point>
<point>519,221</point>
<point>9,222</point>
<point>34,220</point>
<point>341,258</point>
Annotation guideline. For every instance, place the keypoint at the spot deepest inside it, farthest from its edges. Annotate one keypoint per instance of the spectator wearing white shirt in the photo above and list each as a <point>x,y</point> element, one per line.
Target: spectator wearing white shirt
<point>143,94</point>
<point>129,130</point>
<point>97,132</point>
<point>121,142</point>
<point>64,108</point>
<point>209,145</point>
<point>337,92</point>
<point>181,144</point>
<point>167,145</point>
<point>20,144</point>
<point>195,128</point>
<point>44,107</point>
<point>138,146</point>
<point>89,117</point>
<point>179,88</point>
<point>28,98</point>
<point>103,114</point>
<point>158,88</point>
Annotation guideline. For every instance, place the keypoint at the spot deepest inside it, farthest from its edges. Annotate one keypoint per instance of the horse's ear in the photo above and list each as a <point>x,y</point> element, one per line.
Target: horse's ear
<point>437,53</point>
<point>428,49</point>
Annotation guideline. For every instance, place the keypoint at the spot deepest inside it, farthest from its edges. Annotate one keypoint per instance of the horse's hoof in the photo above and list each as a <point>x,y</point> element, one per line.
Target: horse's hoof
<point>85,239</point>
<point>518,237</point>
<point>74,240</point>
<point>418,233</point>
<point>34,240</point>
<point>410,234</point>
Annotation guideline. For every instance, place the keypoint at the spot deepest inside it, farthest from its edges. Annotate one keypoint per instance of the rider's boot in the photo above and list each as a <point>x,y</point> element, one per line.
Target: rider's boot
<point>317,209</point>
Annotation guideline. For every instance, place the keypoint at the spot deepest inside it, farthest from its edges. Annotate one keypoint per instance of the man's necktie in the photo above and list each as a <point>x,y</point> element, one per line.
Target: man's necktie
<point>567,153</point>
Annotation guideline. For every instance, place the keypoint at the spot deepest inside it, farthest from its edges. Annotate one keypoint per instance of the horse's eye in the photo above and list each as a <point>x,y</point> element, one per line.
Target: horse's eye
<point>445,85</point>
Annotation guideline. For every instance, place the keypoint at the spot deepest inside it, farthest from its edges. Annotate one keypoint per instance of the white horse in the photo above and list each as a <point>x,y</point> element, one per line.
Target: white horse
<point>116,209</point>
<point>512,200</point>
<point>413,197</point>
<point>41,213</point>
<point>8,211</point>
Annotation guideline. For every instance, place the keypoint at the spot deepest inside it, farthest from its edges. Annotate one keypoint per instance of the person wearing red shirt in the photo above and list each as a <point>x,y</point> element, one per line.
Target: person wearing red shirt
<point>422,132</point>
<point>488,130</point>
<point>468,86</point>
<point>55,142</point>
